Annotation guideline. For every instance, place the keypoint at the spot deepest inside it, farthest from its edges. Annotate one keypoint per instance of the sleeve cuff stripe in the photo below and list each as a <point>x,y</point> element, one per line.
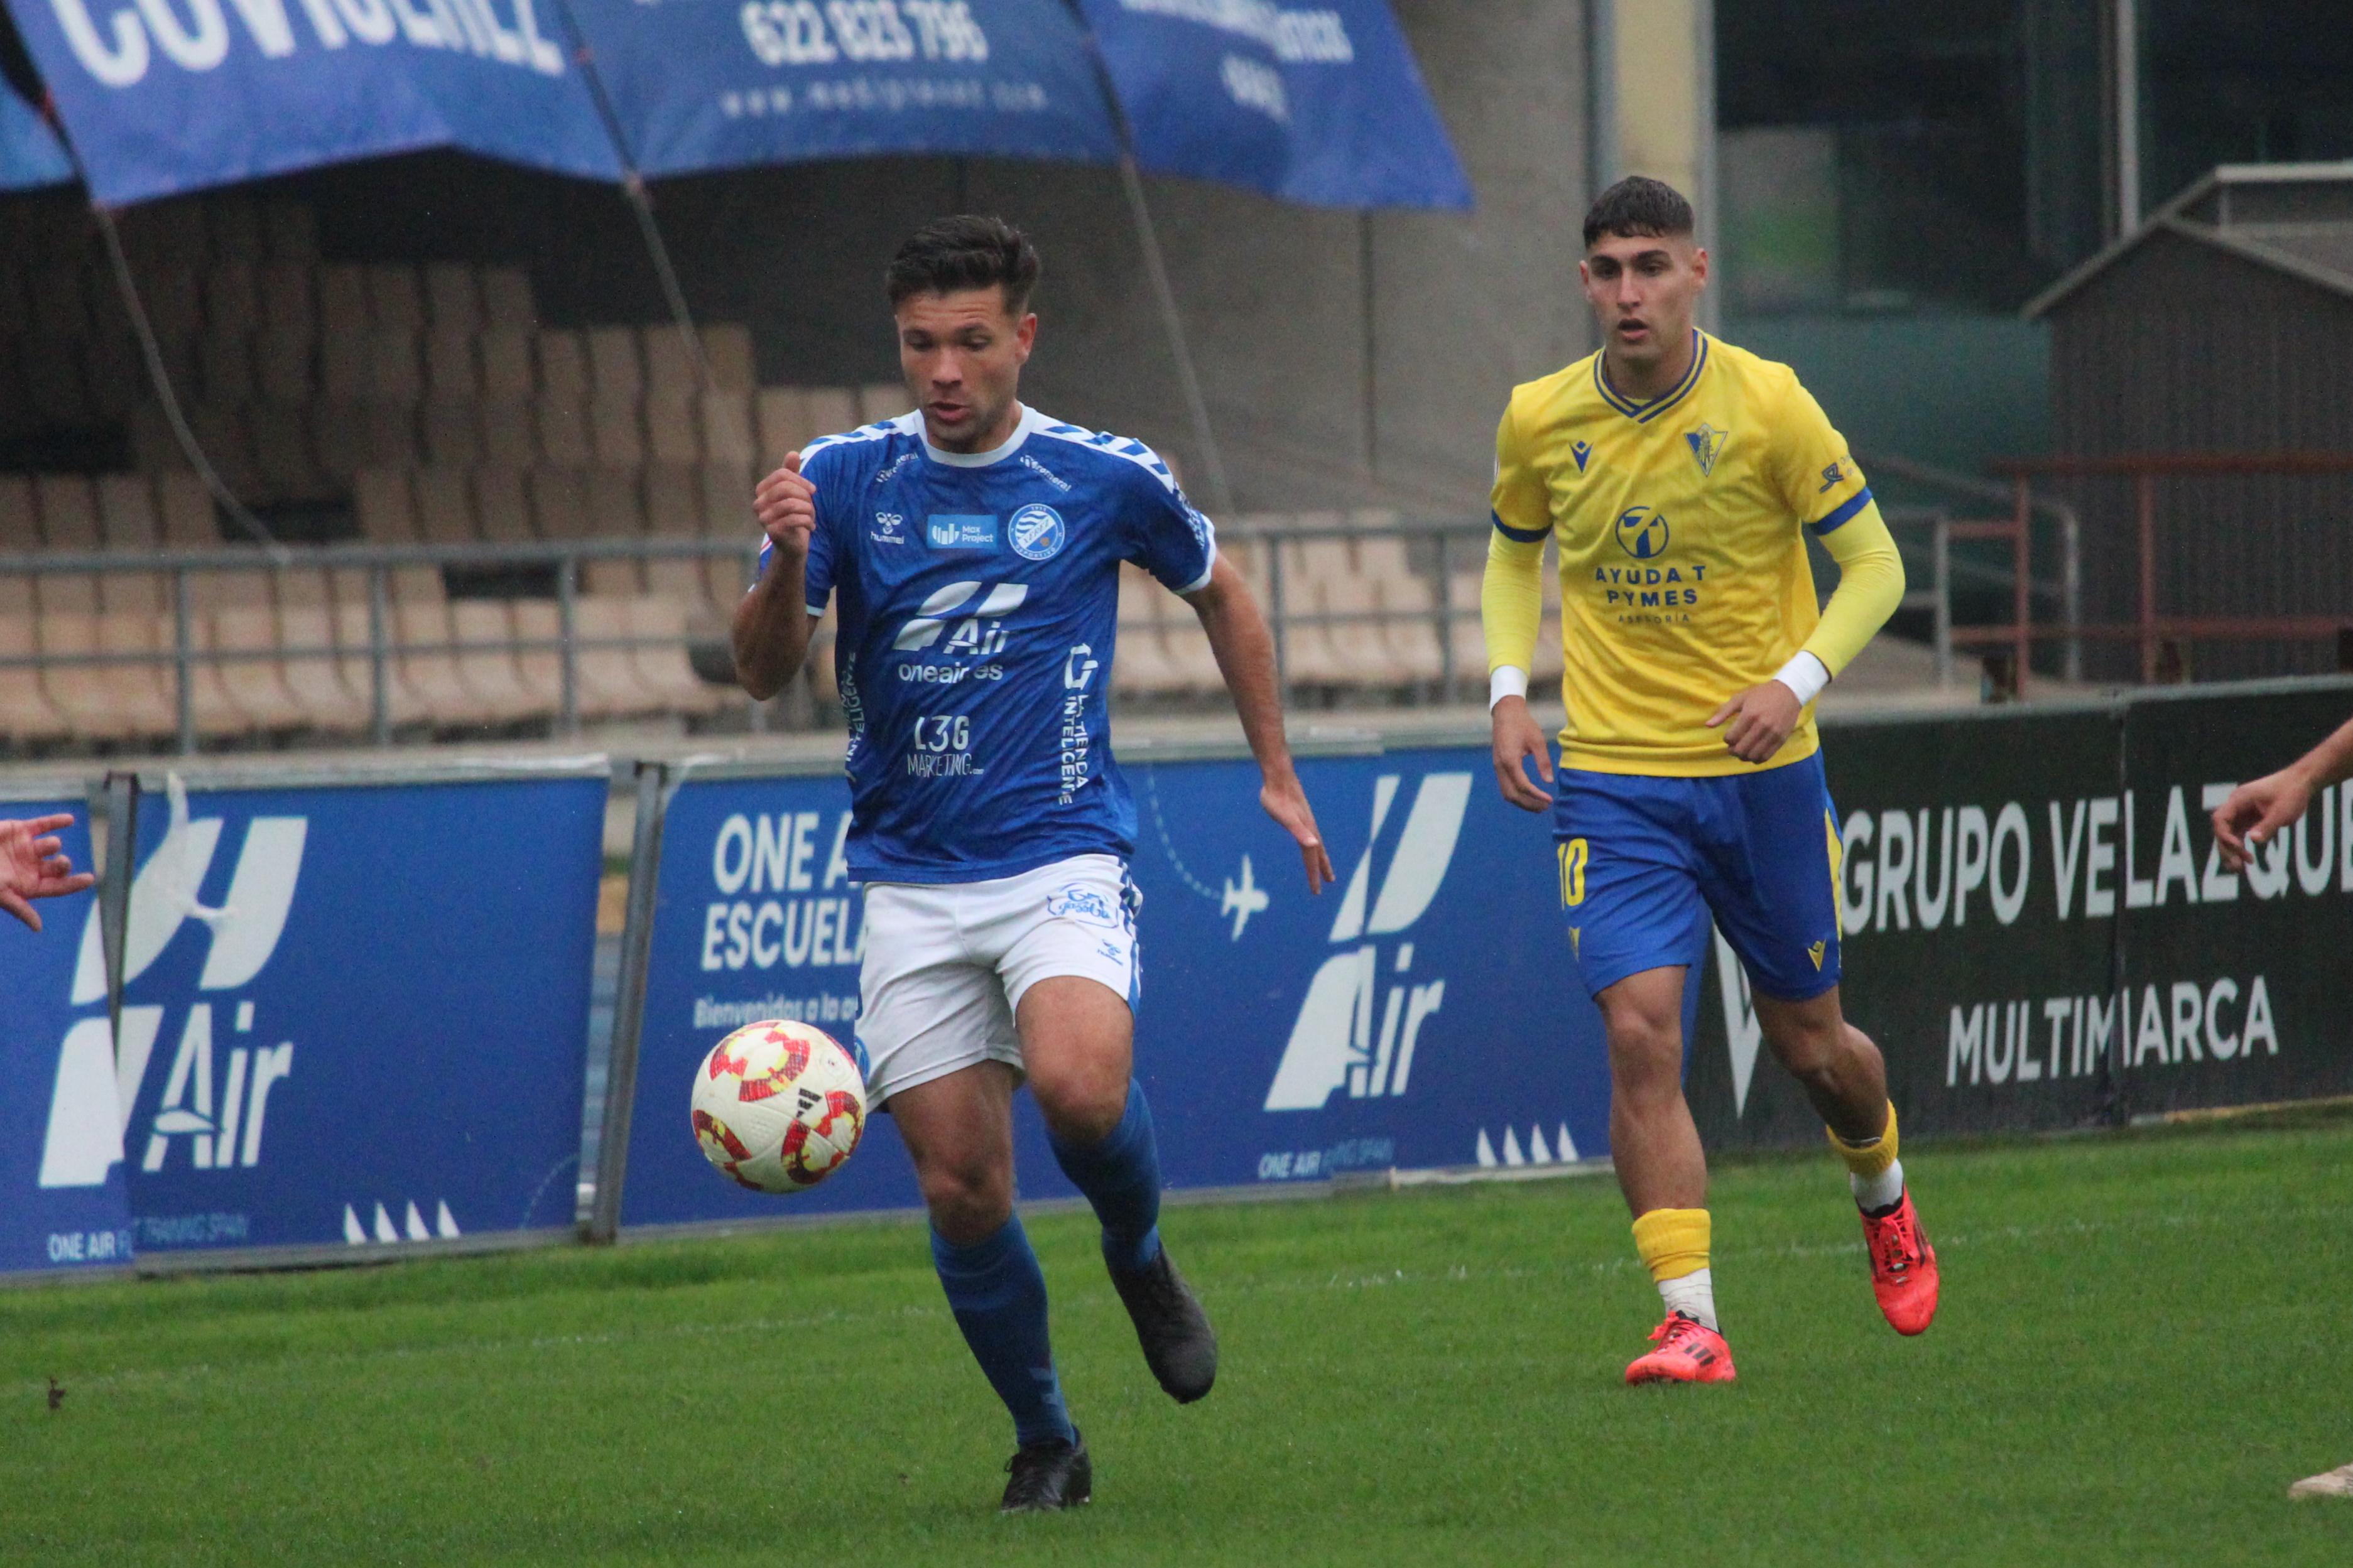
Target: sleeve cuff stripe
<point>1845,512</point>
<point>1520,535</point>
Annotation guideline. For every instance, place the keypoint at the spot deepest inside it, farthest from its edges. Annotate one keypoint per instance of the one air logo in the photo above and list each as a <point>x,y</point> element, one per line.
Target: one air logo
<point>980,632</point>
<point>1361,1021</point>
<point>215,1110</point>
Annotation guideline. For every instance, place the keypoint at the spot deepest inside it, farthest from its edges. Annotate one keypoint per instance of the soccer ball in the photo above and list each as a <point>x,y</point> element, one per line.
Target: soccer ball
<point>778,1106</point>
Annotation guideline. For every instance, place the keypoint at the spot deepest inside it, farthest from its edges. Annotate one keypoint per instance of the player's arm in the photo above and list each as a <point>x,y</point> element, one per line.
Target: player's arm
<point>1244,647</point>
<point>771,631</point>
<point>1511,615</point>
<point>1819,481</point>
<point>2257,810</point>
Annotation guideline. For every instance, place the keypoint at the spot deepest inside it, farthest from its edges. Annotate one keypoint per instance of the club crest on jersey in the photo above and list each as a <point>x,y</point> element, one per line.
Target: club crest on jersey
<point>961,531</point>
<point>1582,451</point>
<point>1037,533</point>
<point>1707,445</point>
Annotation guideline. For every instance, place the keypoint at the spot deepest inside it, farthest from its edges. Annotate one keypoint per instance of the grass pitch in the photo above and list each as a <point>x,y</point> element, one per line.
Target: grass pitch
<point>2143,1343</point>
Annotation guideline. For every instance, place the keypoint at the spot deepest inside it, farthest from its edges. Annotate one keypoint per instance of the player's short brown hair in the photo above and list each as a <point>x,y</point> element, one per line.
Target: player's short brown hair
<point>969,251</point>
<point>1638,204</point>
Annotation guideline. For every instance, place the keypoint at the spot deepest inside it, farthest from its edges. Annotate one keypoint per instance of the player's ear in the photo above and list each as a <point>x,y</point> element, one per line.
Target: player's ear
<point>1699,264</point>
<point>1025,336</point>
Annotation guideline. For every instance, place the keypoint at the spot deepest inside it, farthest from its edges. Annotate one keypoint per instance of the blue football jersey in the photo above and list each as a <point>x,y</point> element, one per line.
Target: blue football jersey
<point>978,605</point>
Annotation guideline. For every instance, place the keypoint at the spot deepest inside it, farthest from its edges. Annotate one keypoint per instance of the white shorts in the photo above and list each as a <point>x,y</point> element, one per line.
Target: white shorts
<point>947,965</point>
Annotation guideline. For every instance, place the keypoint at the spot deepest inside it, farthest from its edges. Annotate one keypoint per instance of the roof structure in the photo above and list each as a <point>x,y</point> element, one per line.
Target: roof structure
<point>2293,218</point>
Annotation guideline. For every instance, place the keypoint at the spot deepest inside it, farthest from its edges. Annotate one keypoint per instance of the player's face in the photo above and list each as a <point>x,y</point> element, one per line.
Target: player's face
<point>962,354</point>
<point>1643,290</point>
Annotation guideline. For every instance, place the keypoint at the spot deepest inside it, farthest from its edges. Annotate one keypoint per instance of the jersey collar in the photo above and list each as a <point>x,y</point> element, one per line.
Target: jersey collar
<point>1643,413</point>
<point>1031,420</point>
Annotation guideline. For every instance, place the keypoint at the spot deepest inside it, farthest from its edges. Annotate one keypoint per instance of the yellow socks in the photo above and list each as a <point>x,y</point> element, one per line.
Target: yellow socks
<point>1873,1169</point>
<point>1673,1245</point>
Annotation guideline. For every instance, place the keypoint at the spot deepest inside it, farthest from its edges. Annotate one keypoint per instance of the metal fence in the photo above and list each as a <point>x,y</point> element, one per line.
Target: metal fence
<point>1437,552</point>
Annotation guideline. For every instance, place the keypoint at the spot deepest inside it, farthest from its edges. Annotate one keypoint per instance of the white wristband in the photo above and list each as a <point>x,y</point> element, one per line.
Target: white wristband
<point>1805,675</point>
<point>1508,680</point>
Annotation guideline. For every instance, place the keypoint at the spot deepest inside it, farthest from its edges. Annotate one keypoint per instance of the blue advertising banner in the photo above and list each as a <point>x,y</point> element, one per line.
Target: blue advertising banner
<point>1321,106</point>
<point>716,84</point>
<point>1423,1013</point>
<point>352,1012</point>
<point>63,1202</point>
<point>175,95</point>
<point>30,156</point>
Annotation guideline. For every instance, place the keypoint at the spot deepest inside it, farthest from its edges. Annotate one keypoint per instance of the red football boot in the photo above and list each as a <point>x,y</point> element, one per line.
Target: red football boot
<point>1903,1267</point>
<point>1688,1352</point>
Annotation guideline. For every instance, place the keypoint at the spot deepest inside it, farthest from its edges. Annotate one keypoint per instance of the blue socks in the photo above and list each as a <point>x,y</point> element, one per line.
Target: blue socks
<point>998,1297</point>
<point>1121,1177</point>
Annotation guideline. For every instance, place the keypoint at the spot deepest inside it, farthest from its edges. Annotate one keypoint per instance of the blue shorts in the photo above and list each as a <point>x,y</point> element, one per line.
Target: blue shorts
<point>1640,856</point>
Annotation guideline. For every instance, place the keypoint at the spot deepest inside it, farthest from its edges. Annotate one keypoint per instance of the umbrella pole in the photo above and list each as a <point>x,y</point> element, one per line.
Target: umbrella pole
<point>1220,494</point>
<point>641,203</point>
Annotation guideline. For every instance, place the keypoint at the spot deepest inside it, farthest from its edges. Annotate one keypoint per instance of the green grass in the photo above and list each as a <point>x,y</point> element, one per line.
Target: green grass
<point>2143,1342</point>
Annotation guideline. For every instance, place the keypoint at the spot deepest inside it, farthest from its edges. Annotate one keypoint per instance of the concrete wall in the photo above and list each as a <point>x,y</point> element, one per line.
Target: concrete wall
<point>1347,359</point>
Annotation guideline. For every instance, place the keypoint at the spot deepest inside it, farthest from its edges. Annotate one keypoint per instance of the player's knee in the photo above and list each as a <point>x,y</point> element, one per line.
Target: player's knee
<point>1082,1102</point>
<point>1809,1049</point>
<point>967,1199</point>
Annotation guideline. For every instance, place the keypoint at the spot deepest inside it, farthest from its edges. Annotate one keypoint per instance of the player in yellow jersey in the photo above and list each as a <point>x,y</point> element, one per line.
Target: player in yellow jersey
<point>1674,472</point>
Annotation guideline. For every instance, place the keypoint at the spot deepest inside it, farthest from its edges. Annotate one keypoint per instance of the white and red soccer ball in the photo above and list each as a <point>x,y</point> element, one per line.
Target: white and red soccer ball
<point>778,1106</point>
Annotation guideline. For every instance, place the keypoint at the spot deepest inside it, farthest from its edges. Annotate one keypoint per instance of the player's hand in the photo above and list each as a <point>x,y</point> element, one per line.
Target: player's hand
<point>785,504</point>
<point>1759,721</point>
<point>1517,739</point>
<point>33,866</point>
<point>2255,811</point>
<point>1287,804</point>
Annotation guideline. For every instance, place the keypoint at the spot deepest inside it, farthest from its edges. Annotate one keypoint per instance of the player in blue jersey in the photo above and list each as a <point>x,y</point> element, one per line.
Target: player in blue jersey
<point>972,549</point>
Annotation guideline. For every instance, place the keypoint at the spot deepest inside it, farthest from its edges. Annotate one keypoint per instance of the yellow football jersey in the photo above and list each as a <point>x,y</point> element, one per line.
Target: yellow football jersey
<point>1683,575</point>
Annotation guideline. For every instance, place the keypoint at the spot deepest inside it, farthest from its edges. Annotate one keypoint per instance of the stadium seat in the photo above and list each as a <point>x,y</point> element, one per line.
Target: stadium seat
<point>1362,645</point>
<point>616,369</point>
<point>612,577</point>
<point>452,433</point>
<point>169,293</point>
<point>115,374</point>
<point>616,432</point>
<point>235,696</point>
<point>287,300</point>
<point>883,400</point>
<point>453,298</point>
<point>1412,629</point>
<point>723,490</point>
<point>501,510</point>
<point>662,667</point>
<point>345,375</point>
<point>506,297</point>
<point>1142,665</point>
<point>396,366</point>
<point>539,622</point>
<point>142,593</point>
<point>226,371</point>
<point>486,661</point>
<point>186,510</point>
<point>233,228</point>
<point>395,297</point>
<point>355,663</point>
<point>728,346</point>
<point>416,585</point>
<point>290,232</point>
<point>563,434</point>
<point>673,500</point>
<point>724,422</point>
<point>510,437</point>
<point>313,674</point>
<point>20,523</point>
<point>669,367</point>
<point>617,506</point>
<point>680,580</point>
<point>671,434</point>
<point>126,511</point>
<point>726,578</point>
<point>831,410</point>
<point>609,685</point>
<point>104,703</point>
<point>67,507</point>
<point>385,509</point>
<point>562,367</point>
<point>306,585</point>
<point>430,668</point>
<point>783,423</point>
<point>283,453</point>
<point>1192,663</point>
<point>445,511</point>
<point>15,595</point>
<point>452,371</point>
<point>559,502</point>
<point>25,710</point>
<point>504,354</point>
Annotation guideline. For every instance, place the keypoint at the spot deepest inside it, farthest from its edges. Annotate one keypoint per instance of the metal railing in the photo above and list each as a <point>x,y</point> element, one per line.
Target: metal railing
<point>378,562</point>
<point>2150,628</point>
<point>1436,551</point>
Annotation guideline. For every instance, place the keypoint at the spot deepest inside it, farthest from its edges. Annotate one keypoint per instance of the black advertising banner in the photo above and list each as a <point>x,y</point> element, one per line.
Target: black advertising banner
<point>1973,953</point>
<point>2239,987</point>
<point>2037,930</point>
